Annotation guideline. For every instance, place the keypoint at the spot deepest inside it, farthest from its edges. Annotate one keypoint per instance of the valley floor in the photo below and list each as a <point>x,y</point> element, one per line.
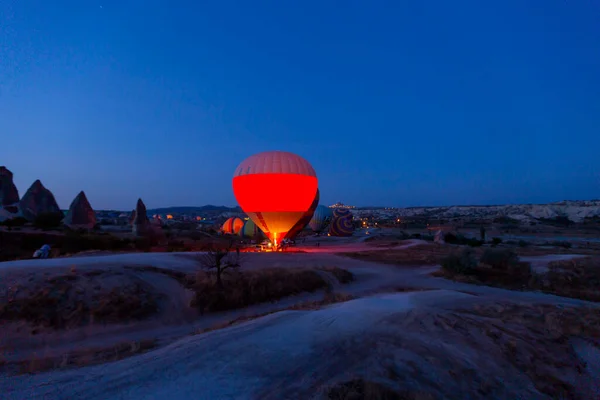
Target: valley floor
<point>404,329</point>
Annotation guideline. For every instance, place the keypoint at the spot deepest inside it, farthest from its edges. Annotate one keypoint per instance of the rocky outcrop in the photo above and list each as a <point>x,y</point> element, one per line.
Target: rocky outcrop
<point>9,195</point>
<point>38,200</point>
<point>132,217</point>
<point>141,223</point>
<point>575,211</point>
<point>80,214</point>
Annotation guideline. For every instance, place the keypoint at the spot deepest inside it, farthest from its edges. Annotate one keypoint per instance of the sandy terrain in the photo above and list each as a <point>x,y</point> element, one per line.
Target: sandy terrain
<point>287,354</point>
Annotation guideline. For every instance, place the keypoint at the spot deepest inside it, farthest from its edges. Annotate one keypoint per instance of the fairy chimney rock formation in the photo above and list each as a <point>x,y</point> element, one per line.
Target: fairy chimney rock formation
<point>9,195</point>
<point>141,223</point>
<point>132,217</point>
<point>38,200</point>
<point>80,214</point>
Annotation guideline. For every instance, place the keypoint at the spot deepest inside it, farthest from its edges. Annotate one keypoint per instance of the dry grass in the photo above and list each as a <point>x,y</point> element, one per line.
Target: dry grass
<point>530,340</point>
<point>577,278</point>
<point>243,289</point>
<point>542,349</point>
<point>62,302</point>
<point>424,254</point>
<point>530,251</point>
<point>78,358</point>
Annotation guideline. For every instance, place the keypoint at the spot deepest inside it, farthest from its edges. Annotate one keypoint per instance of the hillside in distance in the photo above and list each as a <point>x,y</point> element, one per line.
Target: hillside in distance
<point>576,211</point>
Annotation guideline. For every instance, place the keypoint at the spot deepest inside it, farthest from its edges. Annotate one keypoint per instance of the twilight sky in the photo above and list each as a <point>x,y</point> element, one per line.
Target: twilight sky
<point>394,102</point>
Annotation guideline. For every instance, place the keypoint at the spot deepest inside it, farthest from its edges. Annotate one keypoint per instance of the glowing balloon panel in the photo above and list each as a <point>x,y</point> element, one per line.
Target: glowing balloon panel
<point>275,189</point>
<point>233,226</point>
<point>303,222</point>
<point>341,223</point>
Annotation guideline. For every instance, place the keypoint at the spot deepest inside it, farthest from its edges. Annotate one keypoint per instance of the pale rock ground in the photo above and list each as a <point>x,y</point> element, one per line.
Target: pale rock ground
<point>289,354</point>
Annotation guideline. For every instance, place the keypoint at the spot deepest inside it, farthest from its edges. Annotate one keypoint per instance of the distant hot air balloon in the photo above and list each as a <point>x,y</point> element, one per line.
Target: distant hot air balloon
<point>275,189</point>
<point>250,230</point>
<point>321,218</point>
<point>232,226</point>
<point>303,222</point>
<point>341,223</point>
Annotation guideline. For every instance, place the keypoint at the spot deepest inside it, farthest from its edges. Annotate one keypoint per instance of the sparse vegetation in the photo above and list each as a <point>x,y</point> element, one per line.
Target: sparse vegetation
<point>451,238</point>
<point>219,260</point>
<point>59,302</point>
<point>496,241</point>
<point>577,278</point>
<point>460,263</point>
<point>252,287</point>
<point>420,255</point>
<point>504,259</point>
<point>79,358</point>
<point>47,221</point>
<point>14,222</point>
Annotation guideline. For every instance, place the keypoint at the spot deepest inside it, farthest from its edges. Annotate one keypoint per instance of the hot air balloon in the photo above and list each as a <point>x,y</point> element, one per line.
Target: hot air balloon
<point>275,189</point>
<point>232,226</point>
<point>320,219</point>
<point>303,222</point>
<point>250,230</point>
<point>341,223</point>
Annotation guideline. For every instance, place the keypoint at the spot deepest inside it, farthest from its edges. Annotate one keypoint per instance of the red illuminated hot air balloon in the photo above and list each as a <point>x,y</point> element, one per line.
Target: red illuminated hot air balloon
<point>303,222</point>
<point>275,189</point>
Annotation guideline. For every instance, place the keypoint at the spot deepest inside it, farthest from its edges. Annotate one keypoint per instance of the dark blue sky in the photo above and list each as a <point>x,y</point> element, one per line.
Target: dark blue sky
<point>394,103</point>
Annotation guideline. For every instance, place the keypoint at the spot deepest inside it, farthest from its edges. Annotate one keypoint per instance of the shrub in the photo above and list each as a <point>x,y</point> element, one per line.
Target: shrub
<point>523,243</point>
<point>48,220</point>
<point>252,287</point>
<point>578,278</point>
<point>460,263</point>
<point>496,241</point>
<point>474,242</point>
<point>451,238</point>
<point>503,259</point>
<point>13,222</point>
<point>560,243</point>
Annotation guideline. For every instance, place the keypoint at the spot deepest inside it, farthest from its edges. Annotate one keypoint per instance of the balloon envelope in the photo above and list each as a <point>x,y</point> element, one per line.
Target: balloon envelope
<point>303,222</point>
<point>232,226</point>
<point>341,223</point>
<point>250,230</point>
<point>320,219</point>
<point>275,189</point>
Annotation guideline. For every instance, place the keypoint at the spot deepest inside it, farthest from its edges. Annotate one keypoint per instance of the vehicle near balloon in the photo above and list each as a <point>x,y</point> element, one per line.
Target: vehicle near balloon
<point>320,219</point>
<point>341,223</point>
<point>232,226</point>
<point>303,222</point>
<point>275,189</point>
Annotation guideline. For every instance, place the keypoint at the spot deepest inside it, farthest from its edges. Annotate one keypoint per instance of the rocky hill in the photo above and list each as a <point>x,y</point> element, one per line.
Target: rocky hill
<point>575,211</point>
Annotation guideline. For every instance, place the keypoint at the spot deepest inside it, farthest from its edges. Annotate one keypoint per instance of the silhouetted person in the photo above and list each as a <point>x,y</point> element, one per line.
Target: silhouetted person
<point>237,251</point>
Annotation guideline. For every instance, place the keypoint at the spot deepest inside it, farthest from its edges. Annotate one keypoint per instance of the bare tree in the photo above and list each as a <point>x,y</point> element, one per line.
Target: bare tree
<point>220,259</point>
